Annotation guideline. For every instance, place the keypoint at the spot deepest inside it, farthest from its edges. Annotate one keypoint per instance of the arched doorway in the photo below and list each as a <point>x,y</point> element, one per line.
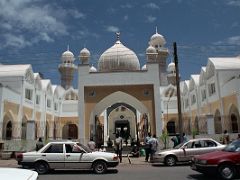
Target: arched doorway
<point>189,126</point>
<point>171,128</point>
<point>217,122</point>
<point>234,124</point>
<point>70,131</point>
<point>126,100</point>
<point>7,127</point>
<point>234,119</point>
<point>46,130</point>
<point>196,125</point>
<point>24,128</point>
<point>9,131</point>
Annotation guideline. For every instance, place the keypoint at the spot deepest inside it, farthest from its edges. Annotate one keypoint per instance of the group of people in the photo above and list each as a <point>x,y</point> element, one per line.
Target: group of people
<point>151,146</point>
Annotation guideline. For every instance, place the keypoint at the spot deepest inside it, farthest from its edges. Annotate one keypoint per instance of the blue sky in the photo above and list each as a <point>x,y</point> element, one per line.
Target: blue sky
<point>38,31</point>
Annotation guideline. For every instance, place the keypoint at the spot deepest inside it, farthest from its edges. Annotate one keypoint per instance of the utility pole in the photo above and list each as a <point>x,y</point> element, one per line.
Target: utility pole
<point>178,91</point>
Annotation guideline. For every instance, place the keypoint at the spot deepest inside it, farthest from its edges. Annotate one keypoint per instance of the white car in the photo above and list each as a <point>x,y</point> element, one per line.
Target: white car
<point>67,155</point>
<point>185,151</point>
<point>19,174</point>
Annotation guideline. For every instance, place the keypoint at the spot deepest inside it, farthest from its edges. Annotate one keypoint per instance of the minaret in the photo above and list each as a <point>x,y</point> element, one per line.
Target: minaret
<point>67,69</point>
<point>157,41</point>
<point>171,76</point>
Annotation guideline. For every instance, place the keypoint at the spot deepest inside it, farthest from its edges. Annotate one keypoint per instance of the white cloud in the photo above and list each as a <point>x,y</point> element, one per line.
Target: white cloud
<point>234,40</point>
<point>128,6</point>
<point>152,5</point>
<point>233,2</point>
<point>112,29</point>
<point>29,22</point>
<point>76,14</point>
<point>15,41</point>
<point>151,19</point>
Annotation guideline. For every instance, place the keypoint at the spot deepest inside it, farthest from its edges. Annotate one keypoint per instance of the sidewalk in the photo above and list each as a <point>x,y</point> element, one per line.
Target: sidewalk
<point>8,163</point>
<point>125,161</point>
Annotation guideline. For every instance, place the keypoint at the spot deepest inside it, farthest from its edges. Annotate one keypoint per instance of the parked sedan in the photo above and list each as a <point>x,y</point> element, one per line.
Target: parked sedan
<point>225,163</point>
<point>185,151</point>
<point>67,155</point>
<point>19,174</point>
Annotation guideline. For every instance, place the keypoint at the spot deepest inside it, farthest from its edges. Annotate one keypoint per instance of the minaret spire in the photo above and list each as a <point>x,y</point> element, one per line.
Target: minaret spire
<point>156,30</point>
<point>118,36</point>
<point>68,47</point>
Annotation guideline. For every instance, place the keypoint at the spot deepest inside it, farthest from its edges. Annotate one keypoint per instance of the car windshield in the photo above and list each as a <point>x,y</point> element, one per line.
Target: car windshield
<point>84,147</point>
<point>233,147</point>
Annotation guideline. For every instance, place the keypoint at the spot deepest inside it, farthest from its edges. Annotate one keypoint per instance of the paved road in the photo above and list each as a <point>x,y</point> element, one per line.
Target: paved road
<point>136,172</point>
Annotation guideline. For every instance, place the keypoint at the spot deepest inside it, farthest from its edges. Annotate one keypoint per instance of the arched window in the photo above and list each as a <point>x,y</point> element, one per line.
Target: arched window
<point>234,119</point>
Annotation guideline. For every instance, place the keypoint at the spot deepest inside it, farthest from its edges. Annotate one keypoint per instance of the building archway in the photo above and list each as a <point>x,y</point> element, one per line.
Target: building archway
<point>234,119</point>
<point>24,128</point>
<point>70,131</point>
<point>196,125</point>
<point>113,99</point>
<point>217,122</point>
<point>7,129</point>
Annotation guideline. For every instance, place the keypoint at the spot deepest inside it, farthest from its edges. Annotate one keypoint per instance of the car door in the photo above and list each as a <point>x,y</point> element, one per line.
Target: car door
<point>186,151</point>
<point>207,146</point>
<point>76,157</point>
<point>54,155</point>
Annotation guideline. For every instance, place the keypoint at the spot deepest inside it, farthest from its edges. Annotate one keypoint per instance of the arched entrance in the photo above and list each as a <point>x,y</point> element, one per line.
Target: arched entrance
<point>171,128</point>
<point>111,103</point>
<point>196,125</point>
<point>24,128</point>
<point>70,131</point>
<point>7,127</point>
<point>234,119</point>
<point>217,122</point>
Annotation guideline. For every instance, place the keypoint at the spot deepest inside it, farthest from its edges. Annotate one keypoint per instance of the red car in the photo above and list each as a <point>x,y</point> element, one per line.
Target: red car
<point>224,163</point>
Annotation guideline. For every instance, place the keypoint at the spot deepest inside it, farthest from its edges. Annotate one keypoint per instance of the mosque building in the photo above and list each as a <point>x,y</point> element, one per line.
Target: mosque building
<point>118,96</point>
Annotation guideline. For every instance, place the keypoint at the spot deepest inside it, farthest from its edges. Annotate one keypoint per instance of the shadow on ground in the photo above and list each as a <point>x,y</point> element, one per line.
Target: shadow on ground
<point>54,172</point>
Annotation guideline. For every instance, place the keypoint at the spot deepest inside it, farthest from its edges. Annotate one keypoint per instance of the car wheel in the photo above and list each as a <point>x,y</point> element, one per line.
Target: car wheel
<point>99,167</point>
<point>227,171</point>
<point>41,167</point>
<point>170,160</point>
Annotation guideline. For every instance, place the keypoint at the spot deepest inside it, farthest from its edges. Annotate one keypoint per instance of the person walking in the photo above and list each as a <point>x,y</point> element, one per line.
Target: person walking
<point>118,147</point>
<point>91,144</point>
<point>226,138</point>
<point>147,147</point>
<point>154,145</point>
<point>185,139</point>
<point>39,144</point>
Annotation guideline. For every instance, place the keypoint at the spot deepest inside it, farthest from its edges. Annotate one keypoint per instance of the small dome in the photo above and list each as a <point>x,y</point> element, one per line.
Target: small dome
<point>144,67</point>
<point>150,49</point>
<point>118,58</point>
<point>92,69</point>
<point>67,57</point>
<point>171,67</point>
<point>157,40</point>
<point>85,53</point>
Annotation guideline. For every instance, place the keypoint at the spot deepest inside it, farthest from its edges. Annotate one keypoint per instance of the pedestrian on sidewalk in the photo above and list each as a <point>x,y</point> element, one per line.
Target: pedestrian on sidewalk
<point>154,145</point>
<point>147,147</point>
<point>118,147</point>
